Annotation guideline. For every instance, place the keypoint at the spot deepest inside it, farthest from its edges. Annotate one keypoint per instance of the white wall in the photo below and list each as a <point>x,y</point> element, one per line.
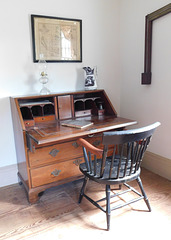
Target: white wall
<point>146,103</point>
<point>19,75</point>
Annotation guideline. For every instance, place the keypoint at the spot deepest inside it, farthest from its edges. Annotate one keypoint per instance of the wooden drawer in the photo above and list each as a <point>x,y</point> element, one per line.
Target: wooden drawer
<point>55,172</point>
<point>57,152</point>
<point>44,118</point>
<point>29,123</point>
<point>82,113</point>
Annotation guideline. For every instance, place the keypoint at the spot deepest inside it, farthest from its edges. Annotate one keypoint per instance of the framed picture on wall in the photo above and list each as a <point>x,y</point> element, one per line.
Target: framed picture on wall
<point>56,39</point>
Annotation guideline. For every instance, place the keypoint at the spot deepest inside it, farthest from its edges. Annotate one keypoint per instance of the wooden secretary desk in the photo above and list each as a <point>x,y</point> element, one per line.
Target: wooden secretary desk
<point>47,152</point>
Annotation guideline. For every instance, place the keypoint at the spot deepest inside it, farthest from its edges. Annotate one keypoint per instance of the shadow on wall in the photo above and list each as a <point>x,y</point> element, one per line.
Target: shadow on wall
<point>79,85</point>
<point>31,83</point>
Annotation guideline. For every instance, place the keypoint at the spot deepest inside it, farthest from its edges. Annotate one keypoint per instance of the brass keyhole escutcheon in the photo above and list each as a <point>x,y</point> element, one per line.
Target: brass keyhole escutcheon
<point>96,143</point>
<point>75,144</point>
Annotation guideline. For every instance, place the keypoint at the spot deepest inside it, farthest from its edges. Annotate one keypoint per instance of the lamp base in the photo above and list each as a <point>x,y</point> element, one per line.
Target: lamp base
<point>44,91</point>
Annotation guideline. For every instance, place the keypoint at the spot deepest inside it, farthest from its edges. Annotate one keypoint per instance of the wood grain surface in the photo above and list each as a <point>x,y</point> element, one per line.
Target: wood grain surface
<point>57,215</point>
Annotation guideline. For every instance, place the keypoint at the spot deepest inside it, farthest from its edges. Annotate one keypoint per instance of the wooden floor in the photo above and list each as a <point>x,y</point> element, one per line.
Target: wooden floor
<point>58,215</point>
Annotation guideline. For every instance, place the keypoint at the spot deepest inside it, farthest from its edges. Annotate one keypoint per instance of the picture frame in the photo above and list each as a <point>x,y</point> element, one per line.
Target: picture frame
<point>56,39</point>
<point>149,19</point>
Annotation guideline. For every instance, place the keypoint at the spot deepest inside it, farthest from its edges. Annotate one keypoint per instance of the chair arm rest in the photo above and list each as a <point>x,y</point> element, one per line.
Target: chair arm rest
<point>98,152</point>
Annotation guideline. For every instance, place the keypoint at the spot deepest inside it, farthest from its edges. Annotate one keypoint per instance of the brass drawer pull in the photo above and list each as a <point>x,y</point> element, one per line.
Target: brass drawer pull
<point>75,144</point>
<point>77,162</point>
<point>54,152</point>
<point>55,173</point>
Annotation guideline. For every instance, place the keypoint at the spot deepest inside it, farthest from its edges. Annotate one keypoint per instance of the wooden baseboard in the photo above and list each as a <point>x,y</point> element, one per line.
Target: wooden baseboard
<point>157,164</point>
<point>8,175</point>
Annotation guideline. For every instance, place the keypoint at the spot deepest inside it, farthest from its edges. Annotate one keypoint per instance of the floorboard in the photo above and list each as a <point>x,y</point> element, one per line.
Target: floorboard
<point>57,215</point>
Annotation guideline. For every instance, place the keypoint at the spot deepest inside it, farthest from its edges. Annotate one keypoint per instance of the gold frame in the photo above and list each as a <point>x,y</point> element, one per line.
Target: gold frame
<point>58,39</point>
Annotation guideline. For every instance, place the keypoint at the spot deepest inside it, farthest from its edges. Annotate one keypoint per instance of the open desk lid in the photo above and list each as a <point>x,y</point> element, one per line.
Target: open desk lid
<point>55,132</point>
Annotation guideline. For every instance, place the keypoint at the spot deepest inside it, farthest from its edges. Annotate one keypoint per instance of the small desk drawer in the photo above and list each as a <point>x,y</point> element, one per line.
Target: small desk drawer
<point>57,152</point>
<point>29,123</point>
<point>44,118</point>
<point>82,113</point>
<point>55,172</point>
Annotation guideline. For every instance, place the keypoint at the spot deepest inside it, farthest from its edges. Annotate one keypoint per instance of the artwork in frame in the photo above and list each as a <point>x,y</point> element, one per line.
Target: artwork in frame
<point>56,39</point>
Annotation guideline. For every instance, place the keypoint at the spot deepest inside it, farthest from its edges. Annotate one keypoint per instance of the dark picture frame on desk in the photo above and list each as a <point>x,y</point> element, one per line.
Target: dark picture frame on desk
<point>56,39</point>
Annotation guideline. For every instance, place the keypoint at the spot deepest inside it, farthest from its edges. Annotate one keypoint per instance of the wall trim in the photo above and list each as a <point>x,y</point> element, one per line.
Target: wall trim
<point>157,164</point>
<point>8,175</point>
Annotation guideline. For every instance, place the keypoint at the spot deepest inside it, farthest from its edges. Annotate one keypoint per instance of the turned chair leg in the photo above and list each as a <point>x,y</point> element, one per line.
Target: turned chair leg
<point>108,211</point>
<point>143,193</point>
<point>83,189</point>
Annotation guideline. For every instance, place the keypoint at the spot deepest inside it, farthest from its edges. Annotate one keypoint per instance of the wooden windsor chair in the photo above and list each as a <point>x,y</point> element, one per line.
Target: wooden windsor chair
<point>121,167</point>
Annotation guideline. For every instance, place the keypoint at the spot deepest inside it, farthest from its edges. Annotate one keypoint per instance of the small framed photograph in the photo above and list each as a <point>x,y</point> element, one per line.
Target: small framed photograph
<point>56,39</point>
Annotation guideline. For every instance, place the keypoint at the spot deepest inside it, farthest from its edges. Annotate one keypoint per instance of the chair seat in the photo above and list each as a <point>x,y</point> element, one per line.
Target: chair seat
<point>113,179</point>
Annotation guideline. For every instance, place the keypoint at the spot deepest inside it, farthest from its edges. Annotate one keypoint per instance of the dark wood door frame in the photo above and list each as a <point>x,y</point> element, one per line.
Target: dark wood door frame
<point>146,75</point>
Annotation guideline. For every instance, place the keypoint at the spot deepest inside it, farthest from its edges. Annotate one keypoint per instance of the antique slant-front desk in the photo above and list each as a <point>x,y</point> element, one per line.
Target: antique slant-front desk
<point>47,152</point>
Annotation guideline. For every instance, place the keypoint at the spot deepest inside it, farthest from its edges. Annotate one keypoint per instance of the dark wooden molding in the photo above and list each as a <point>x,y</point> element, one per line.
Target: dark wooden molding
<point>146,75</point>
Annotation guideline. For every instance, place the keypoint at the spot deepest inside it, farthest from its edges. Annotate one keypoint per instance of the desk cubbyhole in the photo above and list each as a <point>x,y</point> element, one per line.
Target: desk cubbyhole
<point>48,109</point>
<point>79,105</point>
<point>37,111</point>
<point>26,113</point>
<point>89,104</point>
